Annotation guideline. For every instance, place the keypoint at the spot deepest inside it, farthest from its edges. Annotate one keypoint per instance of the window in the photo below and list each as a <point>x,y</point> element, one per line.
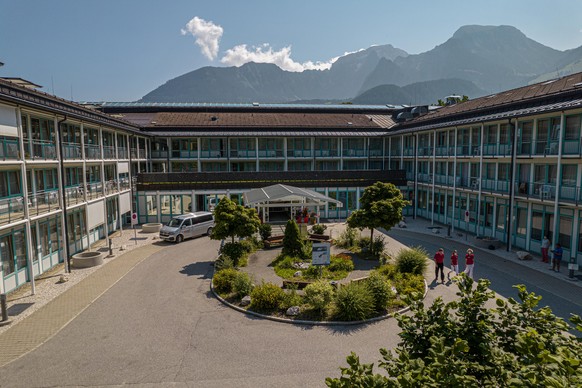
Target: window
<point>572,128</point>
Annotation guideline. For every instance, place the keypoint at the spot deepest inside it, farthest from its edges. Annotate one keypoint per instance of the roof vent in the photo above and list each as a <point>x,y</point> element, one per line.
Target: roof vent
<point>213,118</point>
<point>579,84</point>
<point>349,123</point>
<point>403,116</point>
<point>154,122</point>
<point>550,81</point>
<point>255,104</point>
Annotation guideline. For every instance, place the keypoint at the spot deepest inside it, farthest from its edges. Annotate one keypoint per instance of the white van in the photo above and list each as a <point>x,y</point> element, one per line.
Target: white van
<point>187,225</point>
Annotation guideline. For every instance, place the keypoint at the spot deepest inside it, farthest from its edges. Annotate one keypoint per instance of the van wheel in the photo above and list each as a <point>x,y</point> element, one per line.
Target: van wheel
<point>179,239</point>
<point>209,231</point>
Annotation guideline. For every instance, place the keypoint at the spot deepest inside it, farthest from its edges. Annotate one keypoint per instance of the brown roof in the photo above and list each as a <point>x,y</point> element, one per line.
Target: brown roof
<point>543,90</point>
<point>220,120</point>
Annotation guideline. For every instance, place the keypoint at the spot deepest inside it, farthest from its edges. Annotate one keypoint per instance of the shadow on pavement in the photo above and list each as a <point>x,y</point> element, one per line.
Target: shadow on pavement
<point>201,269</point>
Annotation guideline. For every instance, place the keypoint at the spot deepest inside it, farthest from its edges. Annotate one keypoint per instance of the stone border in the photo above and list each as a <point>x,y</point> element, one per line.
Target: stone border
<point>312,323</point>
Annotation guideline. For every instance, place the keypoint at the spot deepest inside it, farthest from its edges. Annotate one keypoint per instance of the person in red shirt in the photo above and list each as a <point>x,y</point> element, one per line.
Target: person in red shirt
<point>469,263</point>
<point>454,263</point>
<point>439,260</point>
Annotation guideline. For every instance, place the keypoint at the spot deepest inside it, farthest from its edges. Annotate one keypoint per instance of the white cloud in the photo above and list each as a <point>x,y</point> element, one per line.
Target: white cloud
<point>207,36</point>
<point>241,54</point>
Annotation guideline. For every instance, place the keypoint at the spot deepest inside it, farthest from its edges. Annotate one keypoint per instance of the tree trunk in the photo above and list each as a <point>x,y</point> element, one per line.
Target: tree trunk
<point>372,240</point>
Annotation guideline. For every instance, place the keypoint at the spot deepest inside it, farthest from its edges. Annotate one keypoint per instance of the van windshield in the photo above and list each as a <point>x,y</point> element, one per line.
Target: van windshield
<point>175,222</point>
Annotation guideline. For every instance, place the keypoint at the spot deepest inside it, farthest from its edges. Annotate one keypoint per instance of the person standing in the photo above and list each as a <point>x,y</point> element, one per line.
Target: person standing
<point>439,261</point>
<point>469,263</point>
<point>545,249</point>
<point>454,263</point>
<point>558,252</point>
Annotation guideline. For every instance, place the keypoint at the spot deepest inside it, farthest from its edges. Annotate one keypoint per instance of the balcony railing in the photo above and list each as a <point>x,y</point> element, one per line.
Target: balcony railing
<point>163,154</point>
<point>572,147</point>
<point>424,151</point>
<point>442,150</point>
<point>375,153</point>
<point>243,154</point>
<point>94,190</point>
<point>43,202</point>
<point>11,209</point>
<point>109,152</point>
<point>41,149</point>
<point>354,153</point>
<point>92,151</point>
<point>212,154</point>
<point>72,151</point>
<point>74,195</point>
<point>142,153</point>
<point>111,187</point>
<point>122,153</point>
<point>494,185</point>
<point>272,154</point>
<point>124,184</point>
<point>546,148</point>
<point>299,153</point>
<point>133,152</point>
<point>464,150</point>
<point>9,149</point>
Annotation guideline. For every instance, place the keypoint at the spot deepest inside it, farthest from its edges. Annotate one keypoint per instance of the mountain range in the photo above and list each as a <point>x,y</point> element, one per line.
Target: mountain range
<point>475,61</point>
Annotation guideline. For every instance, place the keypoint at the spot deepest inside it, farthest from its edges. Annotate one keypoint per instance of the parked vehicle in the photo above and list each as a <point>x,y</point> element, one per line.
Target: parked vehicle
<point>187,225</point>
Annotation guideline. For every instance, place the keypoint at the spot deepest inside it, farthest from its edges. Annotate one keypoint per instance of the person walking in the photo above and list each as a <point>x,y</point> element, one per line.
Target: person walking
<point>558,252</point>
<point>546,243</point>
<point>469,263</point>
<point>439,264</point>
<point>454,264</point>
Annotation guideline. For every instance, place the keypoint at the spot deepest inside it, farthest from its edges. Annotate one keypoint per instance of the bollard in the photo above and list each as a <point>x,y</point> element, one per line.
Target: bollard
<point>571,268</point>
<point>3,306</point>
<point>110,247</point>
<point>449,230</point>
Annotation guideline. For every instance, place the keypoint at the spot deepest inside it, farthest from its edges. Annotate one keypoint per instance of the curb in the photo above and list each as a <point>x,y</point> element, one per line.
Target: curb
<point>313,323</point>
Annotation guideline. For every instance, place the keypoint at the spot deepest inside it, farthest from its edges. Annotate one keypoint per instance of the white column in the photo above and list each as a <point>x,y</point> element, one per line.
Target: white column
<point>558,182</point>
<point>479,181</point>
<point>433,175</point>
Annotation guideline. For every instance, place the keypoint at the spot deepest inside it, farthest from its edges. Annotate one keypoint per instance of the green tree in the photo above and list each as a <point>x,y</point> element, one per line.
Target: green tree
<point>380,207</point>
<point>463,343</point>
<point>292,241</point>
<point>233,220</point>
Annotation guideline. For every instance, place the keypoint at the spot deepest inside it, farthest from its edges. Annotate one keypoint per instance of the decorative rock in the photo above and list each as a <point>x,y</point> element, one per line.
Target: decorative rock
<point>402,224</point>
<point>245,301</point>
<point>292,311</point>
<point>63,279</point>
<point>394,290</point>
<point>522,255</point>
<point>297,274</point>
<point>301,265</point>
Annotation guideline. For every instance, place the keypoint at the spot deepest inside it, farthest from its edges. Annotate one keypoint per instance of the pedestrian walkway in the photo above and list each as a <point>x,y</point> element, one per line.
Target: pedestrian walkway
<point>439,230</point>
<point>39,327</point>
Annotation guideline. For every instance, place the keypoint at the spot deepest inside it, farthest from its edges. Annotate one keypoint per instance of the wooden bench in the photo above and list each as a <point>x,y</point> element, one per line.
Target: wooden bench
<point>273,241</point>
<point>296,284</point>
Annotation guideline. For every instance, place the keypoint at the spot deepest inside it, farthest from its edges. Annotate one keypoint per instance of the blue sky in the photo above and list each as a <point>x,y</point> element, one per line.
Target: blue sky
<point>119,50</point>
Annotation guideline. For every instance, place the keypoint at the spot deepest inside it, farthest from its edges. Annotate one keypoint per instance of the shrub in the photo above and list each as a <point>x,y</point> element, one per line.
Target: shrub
<point>341,263</point>
<point>223,280</point>
<point>234,250</point>
<point>267,297</point>
<point>291,299</point>
<point>348,238</point>
<point>378,246</point>
<point>409,284</point>
<point>292,241</point>
<point>306,251</point>
<point>242,284</point>
<point>318,229</point>
<point>265,231</point>
<point>380,290</point>
<point>223,262</point>
<point>249,244</point>
<point>313,272</point>
<point>412,260</point>
<point>319,294</point>
<point>353,302</point>
<point>388,270</point>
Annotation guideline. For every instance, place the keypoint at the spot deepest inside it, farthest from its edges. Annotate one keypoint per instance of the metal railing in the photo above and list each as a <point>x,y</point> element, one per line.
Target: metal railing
<point>72,151</point>
<point>9,149</point>
<point>299,153</point>
<point>41,149</point>
<point>163,154</point>
<point>94,190</point>
<point>122,153</point>
<point>111,187</point>
<point>92,151</point>
<point>133,152</point>
<point>243,154</point>
<point>124,184</point>
<point>354,153</point>
<point>11,209</point>
<point>74,195</point>
<point>109,152</point>
<point>272,153</point>
<point>43,202</point>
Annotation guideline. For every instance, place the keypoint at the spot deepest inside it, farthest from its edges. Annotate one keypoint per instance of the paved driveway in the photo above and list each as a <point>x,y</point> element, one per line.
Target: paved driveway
<point>160,326</point>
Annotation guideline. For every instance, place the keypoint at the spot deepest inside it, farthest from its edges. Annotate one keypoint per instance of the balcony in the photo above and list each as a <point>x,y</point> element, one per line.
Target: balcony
<point>442,151</point>
<point>354,153</point>
<point>243,154</point>
<point>72,151</point>
<point>43,202</point>
<point>74,195</point>
<point>464,150</point>
<point>299,153</point>
<point>546,148</point>
<point>271,154</point>
<point>94,190</point>
<point>92,151</point>
<point>133,153</point>
<point>109,152</point>
<point>494,185</point>
<point>11,209</point>
<point>211,154</point>
<point>41,149</point>
<point>376,153</point>
<point>122,153</point>
<point>111,187</point>
<point>424,151</point>
<point>9,149</point>
<point>163,154</point>
<point>124,184</point>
